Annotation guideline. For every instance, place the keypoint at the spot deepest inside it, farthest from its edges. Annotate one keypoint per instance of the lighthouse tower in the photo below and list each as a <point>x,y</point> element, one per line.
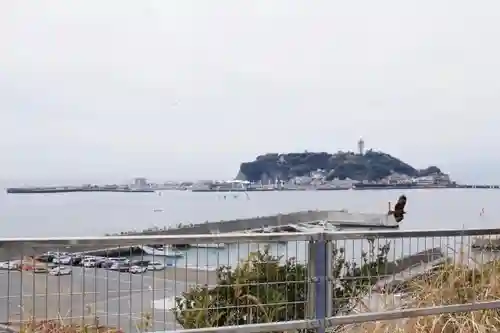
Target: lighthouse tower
<point>361,146</point>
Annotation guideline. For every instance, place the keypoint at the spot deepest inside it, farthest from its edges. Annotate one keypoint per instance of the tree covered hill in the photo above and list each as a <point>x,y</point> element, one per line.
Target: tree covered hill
<point>373,165</point>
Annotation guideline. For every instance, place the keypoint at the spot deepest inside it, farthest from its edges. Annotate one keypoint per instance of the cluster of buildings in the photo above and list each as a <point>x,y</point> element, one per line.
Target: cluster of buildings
<point>317,179</point>
<point>143,183</point>
<point>313,181</point>
<point>434,179</point>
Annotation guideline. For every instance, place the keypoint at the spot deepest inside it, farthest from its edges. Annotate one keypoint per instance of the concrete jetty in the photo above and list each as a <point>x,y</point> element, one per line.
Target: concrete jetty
<point>341,218</point>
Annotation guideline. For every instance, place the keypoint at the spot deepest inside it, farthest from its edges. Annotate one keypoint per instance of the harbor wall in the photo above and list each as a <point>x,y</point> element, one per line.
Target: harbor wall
<point>242,224</point>
<point>273,221</point>
<point>363,218</point>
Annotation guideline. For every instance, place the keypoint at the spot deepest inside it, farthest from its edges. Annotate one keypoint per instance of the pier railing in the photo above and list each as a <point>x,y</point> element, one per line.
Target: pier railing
<point>361,281</point>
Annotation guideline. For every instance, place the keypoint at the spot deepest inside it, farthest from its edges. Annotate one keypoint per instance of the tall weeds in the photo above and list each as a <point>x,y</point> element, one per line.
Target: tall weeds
<point>448,284</point>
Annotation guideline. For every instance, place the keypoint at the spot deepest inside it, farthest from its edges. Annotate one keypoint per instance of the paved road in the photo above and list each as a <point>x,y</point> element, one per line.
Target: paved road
<point>118,299</point>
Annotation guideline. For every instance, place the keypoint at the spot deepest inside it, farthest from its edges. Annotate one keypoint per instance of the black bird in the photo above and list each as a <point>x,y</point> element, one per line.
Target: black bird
<point>399,209</point>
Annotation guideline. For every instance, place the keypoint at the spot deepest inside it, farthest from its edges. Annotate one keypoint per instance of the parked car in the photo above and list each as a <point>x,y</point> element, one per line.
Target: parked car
<point>68,260</point>
<point>139,266</point>
<point>57,255</point>
<point>138,269</point>
<point>39,269</point>
<point>89,262</point>
<point>101,262</point>
<point>45,257</point>
<point>156,266</point>
<point>60,270</point>
<point>140,263</point>
<point>10,265</point>
<point>120,259</point>
<point>120,267</point>
<point>108,262</point>
<point>57,260</point>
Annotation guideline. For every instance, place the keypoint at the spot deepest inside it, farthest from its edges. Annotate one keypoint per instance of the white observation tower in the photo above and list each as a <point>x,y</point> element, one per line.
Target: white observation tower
<point>361,146</point>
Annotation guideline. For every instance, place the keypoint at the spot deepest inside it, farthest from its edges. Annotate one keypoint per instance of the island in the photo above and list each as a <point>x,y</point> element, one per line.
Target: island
<point>369,166</point>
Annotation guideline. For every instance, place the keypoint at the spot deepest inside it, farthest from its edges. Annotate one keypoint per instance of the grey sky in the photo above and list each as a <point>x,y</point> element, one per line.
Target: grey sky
<point>185,88</point>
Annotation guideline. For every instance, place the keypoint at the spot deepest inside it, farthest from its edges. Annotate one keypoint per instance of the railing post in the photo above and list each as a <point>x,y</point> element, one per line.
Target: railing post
<point>320,289</point>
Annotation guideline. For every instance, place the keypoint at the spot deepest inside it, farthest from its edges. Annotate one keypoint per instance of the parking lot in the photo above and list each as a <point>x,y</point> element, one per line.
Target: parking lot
<point>117,299</point>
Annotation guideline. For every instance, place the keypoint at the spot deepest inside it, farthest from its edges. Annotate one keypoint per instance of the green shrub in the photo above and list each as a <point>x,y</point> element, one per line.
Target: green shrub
<point>263,289</point>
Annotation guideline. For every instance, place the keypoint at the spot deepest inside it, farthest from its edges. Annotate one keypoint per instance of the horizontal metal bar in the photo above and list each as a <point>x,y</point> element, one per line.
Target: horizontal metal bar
<point>254,328</point>
<point>349,319</point>
<point>104,242</point>
<point>115,241</point>
<point>410,313</point>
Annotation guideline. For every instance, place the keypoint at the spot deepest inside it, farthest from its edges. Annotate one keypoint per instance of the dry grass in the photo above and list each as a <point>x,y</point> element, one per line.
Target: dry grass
<point>60,326</point>
<point>87,324</point>
<point>447,285</point>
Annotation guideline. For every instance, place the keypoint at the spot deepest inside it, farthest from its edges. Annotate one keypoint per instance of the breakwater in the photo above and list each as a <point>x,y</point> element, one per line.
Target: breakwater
<point>340,217</point>
<point>344,218</point>
<point>69,189</point>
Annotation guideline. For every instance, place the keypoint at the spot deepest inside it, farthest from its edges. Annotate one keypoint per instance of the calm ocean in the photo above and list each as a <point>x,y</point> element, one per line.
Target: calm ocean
<point>94,214</point>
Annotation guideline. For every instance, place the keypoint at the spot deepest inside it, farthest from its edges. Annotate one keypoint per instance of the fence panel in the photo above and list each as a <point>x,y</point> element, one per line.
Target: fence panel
<point>364,281</point>
<point>154,284</point>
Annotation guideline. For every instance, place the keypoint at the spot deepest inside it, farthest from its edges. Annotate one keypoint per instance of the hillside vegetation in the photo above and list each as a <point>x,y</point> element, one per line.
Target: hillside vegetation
<point>372,165</point>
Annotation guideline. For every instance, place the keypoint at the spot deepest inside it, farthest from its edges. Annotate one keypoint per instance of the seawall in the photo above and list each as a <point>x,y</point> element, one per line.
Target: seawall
<point>344,217</point>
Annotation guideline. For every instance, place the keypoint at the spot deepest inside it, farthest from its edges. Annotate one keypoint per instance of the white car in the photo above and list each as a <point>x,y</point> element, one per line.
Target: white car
<point>61,259</point>
<point>156,266</point>
<point>60,271</point>
<point>137,269</point>
<point>39,269</point>
<point>8,265</point>
<point>89,262</point>
<point>66,260</point>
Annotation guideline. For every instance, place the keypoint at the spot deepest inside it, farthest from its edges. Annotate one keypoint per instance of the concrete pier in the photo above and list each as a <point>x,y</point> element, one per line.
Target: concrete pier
<point>344,218</point>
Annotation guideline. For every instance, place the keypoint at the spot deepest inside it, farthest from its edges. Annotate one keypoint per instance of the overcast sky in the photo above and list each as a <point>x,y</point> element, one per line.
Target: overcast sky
<point>189,89</point>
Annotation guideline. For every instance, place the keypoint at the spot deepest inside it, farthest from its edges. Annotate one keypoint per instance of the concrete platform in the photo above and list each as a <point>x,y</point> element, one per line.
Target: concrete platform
<point>343,217</point>
<point>117,299</point>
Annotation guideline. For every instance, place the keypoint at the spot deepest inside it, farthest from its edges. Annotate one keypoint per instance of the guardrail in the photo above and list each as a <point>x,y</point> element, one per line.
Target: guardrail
<point>358,281</point>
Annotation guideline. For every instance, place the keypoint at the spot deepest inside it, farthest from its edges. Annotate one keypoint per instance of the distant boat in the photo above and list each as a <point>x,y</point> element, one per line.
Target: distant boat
<point>157,210</point>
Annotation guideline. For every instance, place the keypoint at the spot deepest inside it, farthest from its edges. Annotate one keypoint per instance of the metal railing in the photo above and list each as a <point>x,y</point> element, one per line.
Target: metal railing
<point>250,282</point>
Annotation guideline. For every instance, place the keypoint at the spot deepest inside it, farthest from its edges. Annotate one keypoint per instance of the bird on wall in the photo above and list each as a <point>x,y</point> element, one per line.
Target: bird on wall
<point>399,209</point>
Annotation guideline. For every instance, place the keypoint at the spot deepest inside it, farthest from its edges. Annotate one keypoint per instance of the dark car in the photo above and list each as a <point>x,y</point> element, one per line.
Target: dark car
<point>108,262</point>
<point>45,258</point>
<point>120,267</point>
<point>76,261</point>
<point>73,260</point>
<point>104,263</point>
<point>140,263</point>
